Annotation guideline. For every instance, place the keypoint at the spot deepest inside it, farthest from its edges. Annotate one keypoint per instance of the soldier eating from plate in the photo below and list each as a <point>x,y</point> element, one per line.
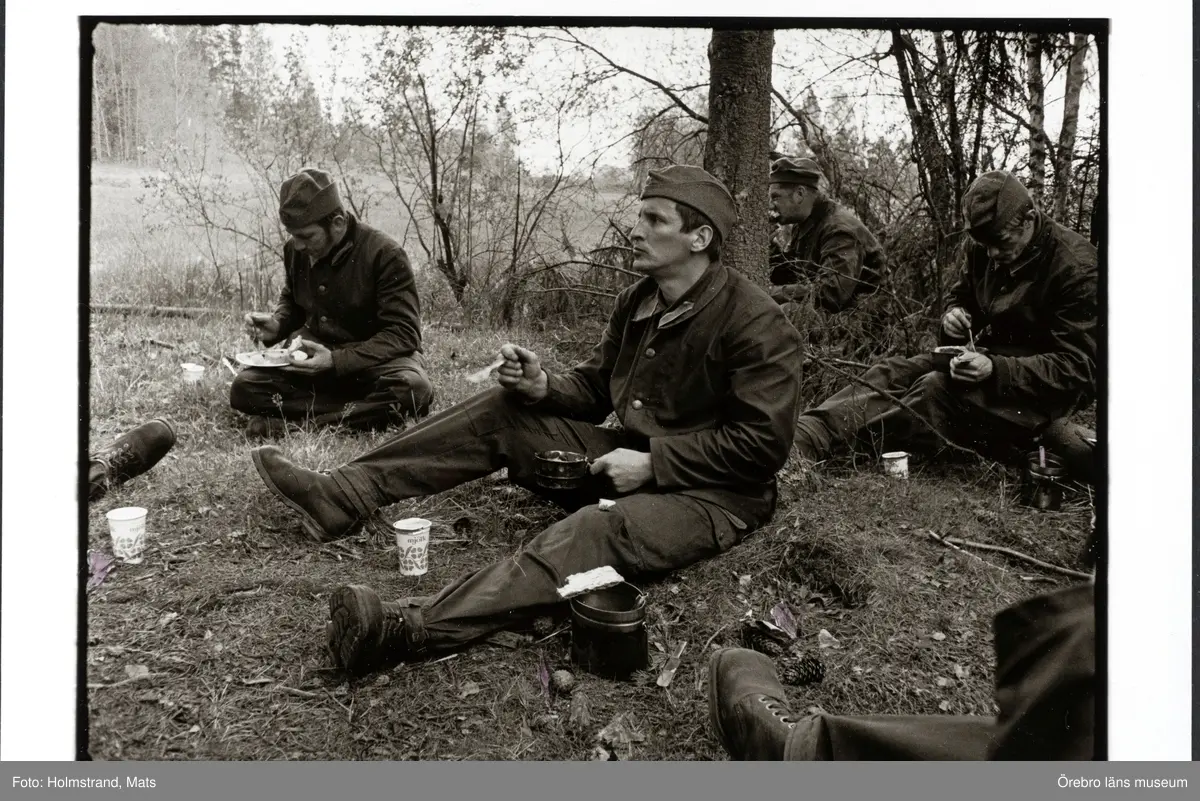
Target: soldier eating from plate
<point>349,298</point>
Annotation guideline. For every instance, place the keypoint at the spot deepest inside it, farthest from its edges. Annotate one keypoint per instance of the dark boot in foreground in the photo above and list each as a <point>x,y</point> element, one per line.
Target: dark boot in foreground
<point>748,705</point>
<point>132,454</point>
<point>364,633</point>
<point>324,512</point>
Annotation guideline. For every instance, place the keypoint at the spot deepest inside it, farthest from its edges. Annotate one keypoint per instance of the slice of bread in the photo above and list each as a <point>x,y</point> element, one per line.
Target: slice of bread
<point>596,579</point>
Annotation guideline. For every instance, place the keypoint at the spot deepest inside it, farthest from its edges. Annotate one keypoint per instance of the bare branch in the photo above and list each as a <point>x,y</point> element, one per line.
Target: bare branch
<point>676,99</point>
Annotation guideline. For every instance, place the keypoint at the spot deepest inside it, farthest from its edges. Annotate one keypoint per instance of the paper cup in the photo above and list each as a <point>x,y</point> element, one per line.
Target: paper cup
<point>412,543</point>
<point>127,526</point>
<point>895,464</point>
<point>192,373</point>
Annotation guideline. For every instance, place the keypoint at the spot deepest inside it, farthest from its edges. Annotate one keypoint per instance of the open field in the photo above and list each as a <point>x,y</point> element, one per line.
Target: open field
<point>212,648</point>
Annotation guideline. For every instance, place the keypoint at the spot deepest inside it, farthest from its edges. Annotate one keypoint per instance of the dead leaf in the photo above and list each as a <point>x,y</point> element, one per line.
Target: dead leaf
<point>259,680</point>
<point>937,635</point>
<point>581,715</point>
<point>782,616</point>
<point>236,534</point>
<point>744,581</point>
<point>674,589</point>
<point>944,682</point>
<point>194,729</point>
<point>944,706</point>
<point>961,672</point>
<point>100,565</point>
<point>620,735</point>
<point>601,754</point>
<point>167,618</point>
<point>827,640</point>
<point>208,635</point>
<point>136,671</point>
<point>469,689</point>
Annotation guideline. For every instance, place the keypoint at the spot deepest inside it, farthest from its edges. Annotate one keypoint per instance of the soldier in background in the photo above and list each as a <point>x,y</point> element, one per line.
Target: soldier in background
<point>829,258</point>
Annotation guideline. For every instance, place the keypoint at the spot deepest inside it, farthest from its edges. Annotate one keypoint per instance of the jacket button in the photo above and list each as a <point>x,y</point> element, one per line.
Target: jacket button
<point>324,319</point>
<point>649,353</point>
<point>321,289</point>
<point>637,404</point>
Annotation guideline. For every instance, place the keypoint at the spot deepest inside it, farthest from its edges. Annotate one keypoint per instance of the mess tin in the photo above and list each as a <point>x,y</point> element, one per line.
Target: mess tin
<point>1043,488</point>
<point>560,469</point>
<point>608,632</point>
<point>943,355</point>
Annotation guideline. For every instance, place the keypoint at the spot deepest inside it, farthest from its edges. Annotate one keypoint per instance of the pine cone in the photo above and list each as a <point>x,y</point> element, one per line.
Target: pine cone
<point>758,635</point>
<point>543,626</point>
<point>798,670</point>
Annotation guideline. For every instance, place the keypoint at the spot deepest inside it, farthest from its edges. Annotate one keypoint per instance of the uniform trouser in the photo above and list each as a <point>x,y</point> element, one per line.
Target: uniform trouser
<point>968,415</point>
<point>370,398</point>
<point>1045,689</point>
<point>645,532</point>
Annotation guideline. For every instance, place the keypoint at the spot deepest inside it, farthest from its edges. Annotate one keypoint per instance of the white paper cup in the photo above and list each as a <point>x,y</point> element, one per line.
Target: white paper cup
<point>412,542</point>
<point>127,526</point>
<point>895,464</point>
<point>192,373</point>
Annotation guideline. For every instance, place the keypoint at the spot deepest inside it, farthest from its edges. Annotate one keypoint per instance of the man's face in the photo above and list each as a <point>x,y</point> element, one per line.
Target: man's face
<point>789,203</point>
<point>658,239</point>
<point>1007,245</point>
<point>313,240</point>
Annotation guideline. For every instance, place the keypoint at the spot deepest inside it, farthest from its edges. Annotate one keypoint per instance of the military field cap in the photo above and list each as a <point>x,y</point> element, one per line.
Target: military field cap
<point>694,187</point>
<point>788,170</point>
<point>306,197</point>
<point>992,201</point>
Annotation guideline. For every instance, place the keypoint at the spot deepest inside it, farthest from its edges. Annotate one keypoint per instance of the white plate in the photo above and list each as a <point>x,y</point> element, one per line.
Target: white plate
<point>263,358</point>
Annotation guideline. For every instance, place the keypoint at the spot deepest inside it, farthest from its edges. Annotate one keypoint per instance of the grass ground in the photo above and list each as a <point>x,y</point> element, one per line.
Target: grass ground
<point>212,647</point>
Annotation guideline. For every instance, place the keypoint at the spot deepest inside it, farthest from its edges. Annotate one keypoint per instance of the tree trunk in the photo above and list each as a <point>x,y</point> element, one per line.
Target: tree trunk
<point>1037,115</point>
<point>738,139</point>
<point>1070,124</point>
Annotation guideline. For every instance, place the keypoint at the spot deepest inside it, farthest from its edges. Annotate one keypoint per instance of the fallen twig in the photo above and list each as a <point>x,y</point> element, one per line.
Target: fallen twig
<point>946,541</point>
<point>131,680</point>
<point>552,634</point>
<point>846,362</point>
<point>161,344</point>
<point>704,650</point>
<point>294,691</point>
<point>1066,571</point>
<point>154,311</point>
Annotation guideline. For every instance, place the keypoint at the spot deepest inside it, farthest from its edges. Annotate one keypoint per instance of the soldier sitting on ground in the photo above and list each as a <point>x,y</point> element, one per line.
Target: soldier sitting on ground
<point>350,297</point>
<point>1024,313</point>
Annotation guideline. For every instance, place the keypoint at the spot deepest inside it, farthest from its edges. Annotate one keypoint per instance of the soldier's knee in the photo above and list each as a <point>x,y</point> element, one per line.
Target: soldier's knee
<point>1070,441</point>
<point>933,382</point>
<point>247,394</point>
<point>411,389</point>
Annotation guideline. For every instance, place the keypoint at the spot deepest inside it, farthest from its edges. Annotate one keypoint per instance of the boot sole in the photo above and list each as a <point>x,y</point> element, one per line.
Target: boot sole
<point>311,527</point>
<point>346,631</point>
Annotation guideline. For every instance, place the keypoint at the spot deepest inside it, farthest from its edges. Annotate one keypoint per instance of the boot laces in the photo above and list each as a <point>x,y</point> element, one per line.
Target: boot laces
<point>119,460</point>
<point>778,711</point>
